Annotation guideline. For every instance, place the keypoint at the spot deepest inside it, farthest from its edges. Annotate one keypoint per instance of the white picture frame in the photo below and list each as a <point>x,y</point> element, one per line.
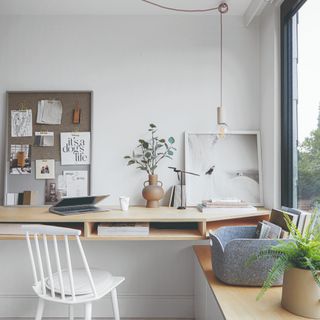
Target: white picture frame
<point>225,181</point>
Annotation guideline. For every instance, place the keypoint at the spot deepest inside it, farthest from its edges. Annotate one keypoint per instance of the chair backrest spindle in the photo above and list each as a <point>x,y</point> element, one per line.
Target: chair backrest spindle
<point>34,270</point>
<point>69,267</point>
<point>56,251</point>
<point>40,265</point>
<point>86,266</point>
<point>48,263</point>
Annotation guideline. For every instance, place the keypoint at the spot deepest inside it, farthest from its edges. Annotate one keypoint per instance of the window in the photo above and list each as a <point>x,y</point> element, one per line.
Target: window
<point>300,160</point>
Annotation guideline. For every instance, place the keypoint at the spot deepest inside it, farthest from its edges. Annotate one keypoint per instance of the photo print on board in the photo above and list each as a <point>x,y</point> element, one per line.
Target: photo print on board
<point>45,169</point>
<point>20,159</point>
<point>75,148</point>
<point>51,194</point>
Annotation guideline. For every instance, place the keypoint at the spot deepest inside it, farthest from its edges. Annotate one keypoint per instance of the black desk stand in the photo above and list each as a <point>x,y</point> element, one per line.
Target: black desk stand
<point>180,172</point>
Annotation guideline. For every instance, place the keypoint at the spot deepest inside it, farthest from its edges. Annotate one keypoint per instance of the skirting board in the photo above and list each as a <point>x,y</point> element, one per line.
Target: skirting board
<point>139,307</point>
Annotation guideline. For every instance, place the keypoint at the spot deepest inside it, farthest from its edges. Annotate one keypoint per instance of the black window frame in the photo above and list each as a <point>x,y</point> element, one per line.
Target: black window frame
<point>288,9</point>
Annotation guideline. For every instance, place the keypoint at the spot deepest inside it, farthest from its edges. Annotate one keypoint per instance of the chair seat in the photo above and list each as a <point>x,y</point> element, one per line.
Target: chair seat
<point>101,279</point>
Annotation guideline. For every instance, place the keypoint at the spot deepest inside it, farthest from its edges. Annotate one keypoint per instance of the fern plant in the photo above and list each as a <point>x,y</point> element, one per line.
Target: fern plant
<point>302,251</point>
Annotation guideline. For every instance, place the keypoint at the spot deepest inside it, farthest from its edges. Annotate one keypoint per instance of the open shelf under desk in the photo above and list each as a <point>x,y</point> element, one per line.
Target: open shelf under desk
<point>165,231</point>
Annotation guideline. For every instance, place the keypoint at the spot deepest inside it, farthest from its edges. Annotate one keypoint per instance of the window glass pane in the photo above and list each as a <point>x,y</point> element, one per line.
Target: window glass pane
<point>307,122</point>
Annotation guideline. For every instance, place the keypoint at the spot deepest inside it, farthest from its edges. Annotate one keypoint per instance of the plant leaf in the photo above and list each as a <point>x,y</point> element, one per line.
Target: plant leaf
<point>171,140</point>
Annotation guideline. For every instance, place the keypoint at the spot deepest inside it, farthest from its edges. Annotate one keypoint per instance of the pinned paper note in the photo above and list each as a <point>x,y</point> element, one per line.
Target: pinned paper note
<point>77,183</point>
<point>44,139</point>
<point>21,123</point>
<point>49,112</point>
<point>75,148</point>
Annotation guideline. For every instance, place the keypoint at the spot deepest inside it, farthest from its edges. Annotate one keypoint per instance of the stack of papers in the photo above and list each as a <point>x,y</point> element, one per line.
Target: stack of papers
<point>232,203</point>
<point>49,112</point>
<point>226,206</point>
<point>123,229</point>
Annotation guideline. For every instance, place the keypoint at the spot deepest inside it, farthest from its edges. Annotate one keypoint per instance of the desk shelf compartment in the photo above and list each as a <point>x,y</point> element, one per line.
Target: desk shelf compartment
<point>19,236</point>
<point>158,231</point>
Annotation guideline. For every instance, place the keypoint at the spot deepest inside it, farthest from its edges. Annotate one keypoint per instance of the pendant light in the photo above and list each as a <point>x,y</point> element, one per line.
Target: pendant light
<point>221,123</point>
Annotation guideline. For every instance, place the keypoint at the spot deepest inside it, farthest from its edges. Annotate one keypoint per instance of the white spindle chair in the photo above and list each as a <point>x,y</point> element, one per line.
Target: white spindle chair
<point>67,286</point>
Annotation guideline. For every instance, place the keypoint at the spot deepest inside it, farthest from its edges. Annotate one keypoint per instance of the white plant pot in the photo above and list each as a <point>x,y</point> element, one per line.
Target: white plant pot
<point>300,293</point>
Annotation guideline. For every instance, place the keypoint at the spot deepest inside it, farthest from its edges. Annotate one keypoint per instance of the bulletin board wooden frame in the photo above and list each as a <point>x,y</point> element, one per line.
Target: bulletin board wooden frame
<point>23,100</point>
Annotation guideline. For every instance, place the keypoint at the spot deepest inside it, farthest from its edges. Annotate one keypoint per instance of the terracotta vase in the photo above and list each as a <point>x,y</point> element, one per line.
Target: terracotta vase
<point>153,192</point>
<point>300,293</point>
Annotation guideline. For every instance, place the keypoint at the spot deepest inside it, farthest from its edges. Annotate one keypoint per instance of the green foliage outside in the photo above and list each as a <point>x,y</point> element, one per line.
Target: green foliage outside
<point>309,167</point>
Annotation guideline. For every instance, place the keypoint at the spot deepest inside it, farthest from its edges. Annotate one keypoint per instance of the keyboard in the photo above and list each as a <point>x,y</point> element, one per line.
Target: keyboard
<point>73,209</point>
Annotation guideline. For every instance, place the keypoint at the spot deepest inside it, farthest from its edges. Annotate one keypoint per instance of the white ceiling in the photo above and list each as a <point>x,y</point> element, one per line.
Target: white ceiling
<point>112,7</point>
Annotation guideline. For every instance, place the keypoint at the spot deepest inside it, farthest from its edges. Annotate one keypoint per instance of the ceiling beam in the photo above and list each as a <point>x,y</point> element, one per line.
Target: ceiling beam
<point>254,9</point>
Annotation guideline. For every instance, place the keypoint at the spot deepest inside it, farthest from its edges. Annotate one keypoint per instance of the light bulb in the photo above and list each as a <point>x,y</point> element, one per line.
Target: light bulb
<point>222,130</point>
<point>222,126</point>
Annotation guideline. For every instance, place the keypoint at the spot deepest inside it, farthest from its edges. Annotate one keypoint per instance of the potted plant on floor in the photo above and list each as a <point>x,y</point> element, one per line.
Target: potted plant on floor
<point>147,157</point>
<point>299,260</point>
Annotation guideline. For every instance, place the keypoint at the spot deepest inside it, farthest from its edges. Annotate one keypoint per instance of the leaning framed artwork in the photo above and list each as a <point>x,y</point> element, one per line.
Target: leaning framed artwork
<point>229,167</point>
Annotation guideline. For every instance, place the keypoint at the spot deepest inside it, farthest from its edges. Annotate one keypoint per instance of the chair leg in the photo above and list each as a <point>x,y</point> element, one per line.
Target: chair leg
<point>71,312</point>
<point>88,308</point>
<point>40,309</point>
<point>115,304</point>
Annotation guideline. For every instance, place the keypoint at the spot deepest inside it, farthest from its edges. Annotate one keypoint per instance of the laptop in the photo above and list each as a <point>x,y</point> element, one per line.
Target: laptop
<point>78,205</point>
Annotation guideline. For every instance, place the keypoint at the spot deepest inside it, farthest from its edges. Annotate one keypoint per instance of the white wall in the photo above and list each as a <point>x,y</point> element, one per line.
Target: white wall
<point>270,104</point>
<point>141,69</point>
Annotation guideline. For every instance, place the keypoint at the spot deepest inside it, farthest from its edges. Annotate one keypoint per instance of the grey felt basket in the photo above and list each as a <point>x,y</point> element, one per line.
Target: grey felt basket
<point>231,247</point>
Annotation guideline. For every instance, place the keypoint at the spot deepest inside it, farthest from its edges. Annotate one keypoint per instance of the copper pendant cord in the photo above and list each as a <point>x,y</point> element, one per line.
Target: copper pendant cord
<point>180,10</point>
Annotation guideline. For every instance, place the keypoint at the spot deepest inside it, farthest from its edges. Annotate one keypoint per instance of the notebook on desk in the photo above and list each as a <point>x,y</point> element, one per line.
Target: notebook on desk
<point>78,205</point>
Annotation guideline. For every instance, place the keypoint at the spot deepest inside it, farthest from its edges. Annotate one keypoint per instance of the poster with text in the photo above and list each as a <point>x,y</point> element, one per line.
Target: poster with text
<point>75,148</point>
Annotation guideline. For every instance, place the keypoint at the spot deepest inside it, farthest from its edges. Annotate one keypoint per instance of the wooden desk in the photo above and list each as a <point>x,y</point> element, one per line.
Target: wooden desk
<point>189,224</point>
<point>236,303</point>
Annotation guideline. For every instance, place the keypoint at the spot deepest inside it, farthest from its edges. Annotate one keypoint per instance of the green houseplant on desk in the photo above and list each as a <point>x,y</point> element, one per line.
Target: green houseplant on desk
<point>299,259</point>
<point>147,157</point>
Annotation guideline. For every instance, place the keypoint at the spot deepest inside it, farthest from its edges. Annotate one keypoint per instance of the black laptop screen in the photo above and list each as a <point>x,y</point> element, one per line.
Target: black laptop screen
<point>76,201</point>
